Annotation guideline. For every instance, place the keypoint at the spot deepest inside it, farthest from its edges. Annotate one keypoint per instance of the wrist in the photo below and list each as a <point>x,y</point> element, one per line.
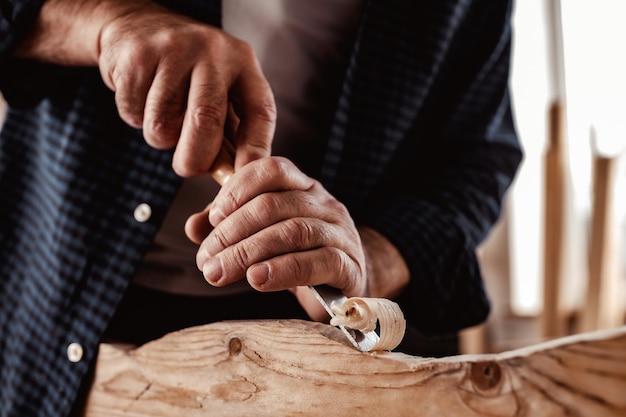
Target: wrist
<point>67,32</point>
<point>387,271</point>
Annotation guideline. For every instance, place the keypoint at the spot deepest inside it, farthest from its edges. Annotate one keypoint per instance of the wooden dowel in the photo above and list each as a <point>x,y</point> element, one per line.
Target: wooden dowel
<point>604,304</point>
<point>553,318</point>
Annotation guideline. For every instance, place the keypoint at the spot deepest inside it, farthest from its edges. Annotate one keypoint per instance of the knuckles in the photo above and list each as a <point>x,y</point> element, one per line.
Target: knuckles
<point>276,167</point>
<point>133,52</point>
<point>161,132</point>
<point>207,116</point>
<point>265,108</point>
<point>301,233</point>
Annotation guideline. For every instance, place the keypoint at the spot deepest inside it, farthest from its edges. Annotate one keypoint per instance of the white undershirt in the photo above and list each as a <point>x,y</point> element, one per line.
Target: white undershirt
<point>303,47</point>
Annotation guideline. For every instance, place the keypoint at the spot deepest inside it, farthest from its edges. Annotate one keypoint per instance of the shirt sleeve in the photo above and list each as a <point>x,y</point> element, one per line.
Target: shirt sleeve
<point>451,178</point>
<point>21,81</point>
<point>16,19</point>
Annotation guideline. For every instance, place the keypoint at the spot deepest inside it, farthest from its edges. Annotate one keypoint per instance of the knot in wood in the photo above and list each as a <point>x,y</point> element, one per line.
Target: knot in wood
<point>486,375</point>
<point>234,346</point>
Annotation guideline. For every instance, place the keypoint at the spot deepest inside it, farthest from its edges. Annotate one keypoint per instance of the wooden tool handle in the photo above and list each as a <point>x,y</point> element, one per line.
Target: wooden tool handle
<point>224,165</point>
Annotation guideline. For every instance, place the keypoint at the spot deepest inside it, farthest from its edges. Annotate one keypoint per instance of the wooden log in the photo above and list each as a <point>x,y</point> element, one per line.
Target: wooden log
<point>292,367</point>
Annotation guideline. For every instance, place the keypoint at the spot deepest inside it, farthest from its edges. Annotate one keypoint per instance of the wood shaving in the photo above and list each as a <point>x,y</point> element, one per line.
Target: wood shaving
<point>364,313</point>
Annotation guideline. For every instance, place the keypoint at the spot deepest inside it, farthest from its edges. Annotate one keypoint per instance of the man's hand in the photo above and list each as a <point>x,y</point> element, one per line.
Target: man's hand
<point>280,229</point>
<point>269,209</point>
<point>172,76</point>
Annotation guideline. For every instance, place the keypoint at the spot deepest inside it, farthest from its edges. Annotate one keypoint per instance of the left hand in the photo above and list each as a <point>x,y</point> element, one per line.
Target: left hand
<point>280,229</point>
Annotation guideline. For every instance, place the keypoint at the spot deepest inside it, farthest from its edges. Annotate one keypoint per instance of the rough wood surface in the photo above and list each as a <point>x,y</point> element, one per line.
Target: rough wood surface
<point>288,368</point>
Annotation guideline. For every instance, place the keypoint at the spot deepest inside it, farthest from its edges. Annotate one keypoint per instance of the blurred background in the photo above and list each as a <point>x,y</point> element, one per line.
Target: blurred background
<point>554,264</point>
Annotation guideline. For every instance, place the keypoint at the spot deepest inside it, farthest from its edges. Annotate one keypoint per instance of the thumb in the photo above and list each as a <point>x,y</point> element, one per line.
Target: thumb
<point>197,226</point>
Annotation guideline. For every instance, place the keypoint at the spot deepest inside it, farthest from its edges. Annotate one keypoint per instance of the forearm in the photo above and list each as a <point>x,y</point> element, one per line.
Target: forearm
<point>67,32</point>
<point>387,272</point>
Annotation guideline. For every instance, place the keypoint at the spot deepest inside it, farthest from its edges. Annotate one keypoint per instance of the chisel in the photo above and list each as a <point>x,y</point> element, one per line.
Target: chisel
<point>221,171</point>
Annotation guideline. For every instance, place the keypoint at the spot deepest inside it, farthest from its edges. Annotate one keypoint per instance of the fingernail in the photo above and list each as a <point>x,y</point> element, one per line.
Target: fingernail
<point>212,270</point>
<point>258,274</point>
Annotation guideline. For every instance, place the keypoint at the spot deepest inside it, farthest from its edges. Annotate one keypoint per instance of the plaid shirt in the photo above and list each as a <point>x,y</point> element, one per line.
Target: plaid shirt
<point>422,148</point>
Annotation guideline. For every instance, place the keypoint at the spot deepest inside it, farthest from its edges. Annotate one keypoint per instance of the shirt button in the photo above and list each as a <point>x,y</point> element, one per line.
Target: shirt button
<point>74,352</point>
<point>143,212</point>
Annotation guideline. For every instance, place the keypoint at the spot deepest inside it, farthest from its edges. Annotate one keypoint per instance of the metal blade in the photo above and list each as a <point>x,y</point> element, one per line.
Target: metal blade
<point>327,296</point>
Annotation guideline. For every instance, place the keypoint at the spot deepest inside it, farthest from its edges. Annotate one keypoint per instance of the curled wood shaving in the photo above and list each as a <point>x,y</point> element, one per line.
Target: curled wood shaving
<point>363,313</point>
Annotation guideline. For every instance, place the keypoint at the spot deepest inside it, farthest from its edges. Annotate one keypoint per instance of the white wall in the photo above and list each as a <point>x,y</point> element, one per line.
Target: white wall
<point>593,82</point>
<point>531,95</point>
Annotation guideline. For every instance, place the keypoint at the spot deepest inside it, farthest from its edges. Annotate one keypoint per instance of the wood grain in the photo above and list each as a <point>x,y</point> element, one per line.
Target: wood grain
<point>289,368</point>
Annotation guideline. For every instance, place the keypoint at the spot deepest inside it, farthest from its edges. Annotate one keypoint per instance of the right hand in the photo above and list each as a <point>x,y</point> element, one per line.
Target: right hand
<point>172,76</point>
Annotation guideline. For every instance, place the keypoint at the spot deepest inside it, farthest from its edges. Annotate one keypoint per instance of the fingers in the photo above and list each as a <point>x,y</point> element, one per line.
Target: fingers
<point>165,106</point>
<point>281,229</point>
<point>203,125</point>
<point>264,211</point>
<point>292,234</point>
<point>297,251</point>
<point>257,178</point>
<point>312,267</point>
<point>253,102</point>
<point>130,76</point>
<point>175,77</point>
<point>251,123</point>
<point>197,226</point>
<point>295,234</point>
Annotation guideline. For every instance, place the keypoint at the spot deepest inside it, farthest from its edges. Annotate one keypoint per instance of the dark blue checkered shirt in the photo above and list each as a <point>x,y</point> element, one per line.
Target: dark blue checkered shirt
<point>422,148</point>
